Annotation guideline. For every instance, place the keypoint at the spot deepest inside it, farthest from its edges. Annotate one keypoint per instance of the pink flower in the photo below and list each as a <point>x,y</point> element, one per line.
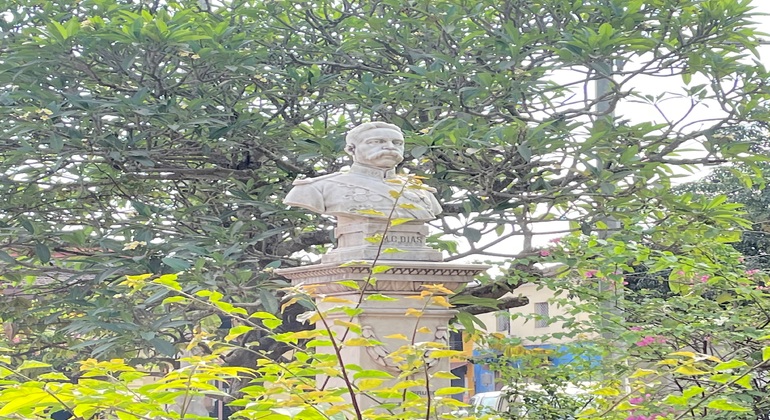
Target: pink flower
<point>636,328</point>
<point>704,278</point>
<point>680,273</point>
<point>555,240</point>
<point>649,340</point>
<point>741,259</point>
<point>636,400</point>
<point>751,272</point>
<point>591,273</point>
<point>545,252</point>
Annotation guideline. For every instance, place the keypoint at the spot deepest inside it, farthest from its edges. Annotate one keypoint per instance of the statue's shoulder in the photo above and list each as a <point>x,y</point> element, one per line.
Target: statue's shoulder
<point>309,181</point>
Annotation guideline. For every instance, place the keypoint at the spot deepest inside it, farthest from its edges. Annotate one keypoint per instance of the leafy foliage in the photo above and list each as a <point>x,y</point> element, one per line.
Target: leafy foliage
<point>160,137</point>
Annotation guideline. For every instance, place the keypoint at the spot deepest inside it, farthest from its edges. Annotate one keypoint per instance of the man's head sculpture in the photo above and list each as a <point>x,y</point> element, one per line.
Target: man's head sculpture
<point>370,189</point>
<point>376,144</point>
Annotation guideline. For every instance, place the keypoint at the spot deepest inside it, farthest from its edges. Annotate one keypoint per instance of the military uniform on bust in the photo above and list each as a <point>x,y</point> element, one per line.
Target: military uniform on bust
<point>363,188</point>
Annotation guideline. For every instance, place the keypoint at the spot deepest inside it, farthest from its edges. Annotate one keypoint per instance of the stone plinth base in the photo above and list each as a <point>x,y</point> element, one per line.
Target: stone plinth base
<point>386,321</point>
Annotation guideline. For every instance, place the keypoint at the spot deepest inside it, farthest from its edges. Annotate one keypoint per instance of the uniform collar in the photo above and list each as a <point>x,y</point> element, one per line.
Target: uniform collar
<point>370,171</point>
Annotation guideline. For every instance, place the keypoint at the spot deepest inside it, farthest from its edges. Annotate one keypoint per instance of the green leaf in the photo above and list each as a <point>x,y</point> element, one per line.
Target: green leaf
<point>372,374</point>
<point>272,323</point>
<point>730,364</point>
<point>269,301</point>
<point>162,346</point>
<point>54,376</point>
<point>176,264</point>
<point>726,405</point>
<point>175,299</point>
<point>451,390</point>
<point>473,235</point>
<point>418,151</point>
<point>4,256</point>
<point>380,269</point>
<point>42,252</point>
<point>380,298</point>
<point>353,284</point>
<point>33,364</point>
<point>237,331</point>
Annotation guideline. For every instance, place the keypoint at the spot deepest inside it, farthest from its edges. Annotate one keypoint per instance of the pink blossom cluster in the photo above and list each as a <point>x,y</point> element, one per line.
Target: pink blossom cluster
<point>642,417</point>
<point>650,339</point>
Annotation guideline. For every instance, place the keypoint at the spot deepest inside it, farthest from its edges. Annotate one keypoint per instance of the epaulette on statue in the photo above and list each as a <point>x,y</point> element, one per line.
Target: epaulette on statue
<point>305,181</point>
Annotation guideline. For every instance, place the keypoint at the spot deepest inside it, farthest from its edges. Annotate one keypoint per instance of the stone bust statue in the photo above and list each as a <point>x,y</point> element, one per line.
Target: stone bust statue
<point>371,183</point>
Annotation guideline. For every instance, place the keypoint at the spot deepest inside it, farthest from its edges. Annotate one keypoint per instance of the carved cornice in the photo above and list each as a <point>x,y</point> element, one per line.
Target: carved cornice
<point>409,268</point>
<point>363,271</point>
<point>402,276</point>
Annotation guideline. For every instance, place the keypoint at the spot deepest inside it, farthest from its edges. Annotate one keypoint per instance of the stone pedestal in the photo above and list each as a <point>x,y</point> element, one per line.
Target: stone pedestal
<point>359,239</point>
<point>380,319</point>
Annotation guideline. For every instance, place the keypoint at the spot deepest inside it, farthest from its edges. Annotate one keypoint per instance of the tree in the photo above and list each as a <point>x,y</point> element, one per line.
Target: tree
<point>744,185</point>
<point>160,137</point>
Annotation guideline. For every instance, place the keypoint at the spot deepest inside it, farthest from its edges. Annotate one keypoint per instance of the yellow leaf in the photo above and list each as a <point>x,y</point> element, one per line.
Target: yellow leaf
<point>353,263</point>
<point>139,277</point>
<point>643,372</point>
<point>346,324</point>
<point>413,312</point>
<point>606,391</point>
<point>357,341</point>
<point>437,288</point>
<point>689,370</point>
<point>441,301</point>
<point>367,385</point>
<point>408,206</point>
<point>424,330</point>
<point>288,303</point>
<point>444,375</point>
<point>689,354</point>
<point>335,299</point>
<point>400,221</point>
<point>446,353</point>
<point>397,337</point>
<point>370,212</point>
<point>669,362</point>
<point>394,193</point>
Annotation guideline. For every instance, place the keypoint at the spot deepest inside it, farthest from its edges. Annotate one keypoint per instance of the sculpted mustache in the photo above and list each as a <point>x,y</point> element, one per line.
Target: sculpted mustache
<point>384,153</point>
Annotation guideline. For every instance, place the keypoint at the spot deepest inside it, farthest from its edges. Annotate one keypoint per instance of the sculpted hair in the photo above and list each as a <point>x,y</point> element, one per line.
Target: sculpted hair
<point>357,134</point>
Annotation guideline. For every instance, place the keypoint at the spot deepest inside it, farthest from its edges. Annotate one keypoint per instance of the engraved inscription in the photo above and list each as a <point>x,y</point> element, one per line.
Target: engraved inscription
<point>404,240</point>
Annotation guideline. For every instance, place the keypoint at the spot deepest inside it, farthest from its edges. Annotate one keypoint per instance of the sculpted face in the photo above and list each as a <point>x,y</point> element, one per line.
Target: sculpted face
<point>381,148</point>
